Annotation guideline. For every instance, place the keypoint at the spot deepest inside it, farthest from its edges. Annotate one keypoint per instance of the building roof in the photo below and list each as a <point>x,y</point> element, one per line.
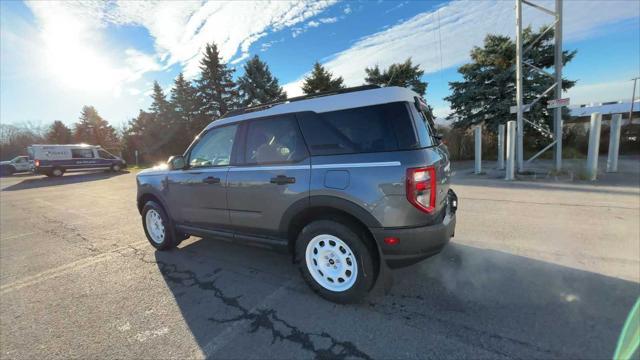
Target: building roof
<point>328,103</point>
<point>617,107</point>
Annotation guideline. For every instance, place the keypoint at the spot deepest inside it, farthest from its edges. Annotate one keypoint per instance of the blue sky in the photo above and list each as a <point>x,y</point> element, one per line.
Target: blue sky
<point>56,57</point>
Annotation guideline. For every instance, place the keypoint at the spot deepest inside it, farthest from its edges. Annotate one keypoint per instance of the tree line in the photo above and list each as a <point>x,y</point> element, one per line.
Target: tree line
<point>174,118</point>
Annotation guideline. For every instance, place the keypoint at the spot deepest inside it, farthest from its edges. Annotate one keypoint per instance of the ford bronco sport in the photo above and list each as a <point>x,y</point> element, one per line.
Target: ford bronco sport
<point>347,181</point>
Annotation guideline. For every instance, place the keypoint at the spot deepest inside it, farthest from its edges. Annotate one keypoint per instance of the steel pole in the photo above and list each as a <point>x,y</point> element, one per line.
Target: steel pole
<point>557,112</point>
<point>501,147</point>
<point>519,118</point>
<point>511,151</point>
<point>594,146</point>
<point>614,142</point>
<point>633,95</point>
<point>478,149</point>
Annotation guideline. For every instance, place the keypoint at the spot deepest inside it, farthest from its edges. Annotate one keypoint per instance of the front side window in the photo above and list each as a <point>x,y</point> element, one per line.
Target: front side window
<point>377,128</point>
<point>105,155</point>
<point>82,153</point>
<point>275,140</point>
<point>214,149</point>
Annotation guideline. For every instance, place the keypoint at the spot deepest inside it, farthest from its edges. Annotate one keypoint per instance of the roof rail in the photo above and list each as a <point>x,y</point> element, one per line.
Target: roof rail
<point>297,98</point>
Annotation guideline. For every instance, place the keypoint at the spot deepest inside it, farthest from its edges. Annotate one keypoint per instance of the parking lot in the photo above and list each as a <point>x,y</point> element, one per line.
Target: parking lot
<point>536,269</point>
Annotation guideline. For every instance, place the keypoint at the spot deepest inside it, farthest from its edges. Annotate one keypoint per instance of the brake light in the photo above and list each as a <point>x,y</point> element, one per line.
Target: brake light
<point>421,188</point>
<point>37,162</point>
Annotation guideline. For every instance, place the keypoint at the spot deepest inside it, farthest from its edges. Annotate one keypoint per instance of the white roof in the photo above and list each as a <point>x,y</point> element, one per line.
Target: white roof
<point>604,109</point>
<point>329,103</point>
<point>68,145</point>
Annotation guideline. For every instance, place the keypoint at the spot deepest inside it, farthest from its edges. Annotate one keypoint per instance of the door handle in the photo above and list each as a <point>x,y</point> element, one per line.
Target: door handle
<point>283,180</point>
<point>211,180</point>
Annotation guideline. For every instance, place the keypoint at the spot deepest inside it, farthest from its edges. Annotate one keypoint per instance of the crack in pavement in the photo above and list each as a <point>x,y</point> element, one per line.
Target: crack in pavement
<point>260,318</point>
<point>465,333</point>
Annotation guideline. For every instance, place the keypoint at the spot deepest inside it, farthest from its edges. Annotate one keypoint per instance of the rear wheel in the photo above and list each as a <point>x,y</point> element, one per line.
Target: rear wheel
<point>56,172</point>
<point>157,227</point>
<point>335,261</point>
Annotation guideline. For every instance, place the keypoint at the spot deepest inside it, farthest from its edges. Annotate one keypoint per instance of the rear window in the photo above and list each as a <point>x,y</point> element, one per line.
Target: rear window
<point>378,128</point>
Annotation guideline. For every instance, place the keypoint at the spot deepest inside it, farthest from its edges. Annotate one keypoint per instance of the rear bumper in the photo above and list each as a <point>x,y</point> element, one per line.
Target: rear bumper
<point>416,243</point>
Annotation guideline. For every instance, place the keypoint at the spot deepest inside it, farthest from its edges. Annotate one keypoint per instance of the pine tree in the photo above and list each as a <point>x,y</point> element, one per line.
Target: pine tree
<point>159,104</point>
<point>321,80</point>
<point>148,136</point>
<point>400,74</point>
<point>92,129</point>
<point>257,85</point>
<point>217,92</point>
<point>487,90</point>
<point>184,104</point>
<point>59,133</point>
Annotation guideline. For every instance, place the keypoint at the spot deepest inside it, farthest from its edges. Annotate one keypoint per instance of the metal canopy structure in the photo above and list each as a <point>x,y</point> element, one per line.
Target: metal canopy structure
<point>556,135</point>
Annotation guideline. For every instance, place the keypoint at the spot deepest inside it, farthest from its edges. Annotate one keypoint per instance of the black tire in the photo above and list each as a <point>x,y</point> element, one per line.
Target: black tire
<point>116,168</point>
<point>170,240</point>
<point>356,240</point>
<point>56,172</point>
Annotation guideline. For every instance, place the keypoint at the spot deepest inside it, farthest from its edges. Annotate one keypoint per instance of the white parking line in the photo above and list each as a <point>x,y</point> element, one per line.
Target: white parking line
<point>64,269</point>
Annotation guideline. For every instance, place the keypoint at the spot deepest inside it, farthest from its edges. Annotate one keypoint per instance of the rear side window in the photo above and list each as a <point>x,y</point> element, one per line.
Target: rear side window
<point>82,153</point>
<point>378,128</point>
<point>274,140</point>
<point>423,128</point>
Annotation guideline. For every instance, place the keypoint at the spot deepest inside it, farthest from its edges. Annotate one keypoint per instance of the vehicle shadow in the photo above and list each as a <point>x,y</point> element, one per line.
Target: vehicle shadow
<point>249,300</point>
<point>68,178</point>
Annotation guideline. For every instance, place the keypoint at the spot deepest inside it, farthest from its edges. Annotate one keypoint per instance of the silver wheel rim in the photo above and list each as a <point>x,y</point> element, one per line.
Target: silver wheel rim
<point>155,226</point>
<point>331,263</point>
<point>57,172</point>
<point>116,168</point>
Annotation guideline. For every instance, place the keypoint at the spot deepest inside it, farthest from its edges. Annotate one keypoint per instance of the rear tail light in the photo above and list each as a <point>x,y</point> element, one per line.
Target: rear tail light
<point>37,162</point>
<point>421,188</point>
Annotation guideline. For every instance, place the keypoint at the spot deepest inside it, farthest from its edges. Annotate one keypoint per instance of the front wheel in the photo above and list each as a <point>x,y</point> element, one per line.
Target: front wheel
<point>335,261</point>
<point>116,167</point>
<point>157,227</point>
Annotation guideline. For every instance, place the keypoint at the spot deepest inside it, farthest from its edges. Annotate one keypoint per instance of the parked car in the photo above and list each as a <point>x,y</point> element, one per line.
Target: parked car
<point>16,165</point>
<point>348,182</point>
<point>55,160</point>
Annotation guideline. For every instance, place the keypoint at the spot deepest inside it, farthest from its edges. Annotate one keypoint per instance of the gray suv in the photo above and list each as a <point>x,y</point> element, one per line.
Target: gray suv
<point>348,182</point>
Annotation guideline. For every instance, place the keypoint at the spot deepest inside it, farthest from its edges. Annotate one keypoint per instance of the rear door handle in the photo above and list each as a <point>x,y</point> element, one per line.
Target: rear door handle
<point>283,180</point>
<point>211,180</point>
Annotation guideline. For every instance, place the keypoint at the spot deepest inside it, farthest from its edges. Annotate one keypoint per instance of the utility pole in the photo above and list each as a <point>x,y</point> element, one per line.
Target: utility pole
<point>557,112</point>
<point>633,95</point>
<point>519,116</point>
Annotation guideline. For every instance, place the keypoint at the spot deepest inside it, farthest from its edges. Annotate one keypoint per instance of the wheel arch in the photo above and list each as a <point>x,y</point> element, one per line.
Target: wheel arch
<point>150,195</point>
<point>305,211</point>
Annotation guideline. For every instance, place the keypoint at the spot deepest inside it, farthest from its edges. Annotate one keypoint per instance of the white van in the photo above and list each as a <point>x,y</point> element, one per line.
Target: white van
<point>54,160</point>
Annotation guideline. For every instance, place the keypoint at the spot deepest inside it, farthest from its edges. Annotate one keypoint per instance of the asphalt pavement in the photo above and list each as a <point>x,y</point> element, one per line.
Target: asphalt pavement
<point>538,269</point>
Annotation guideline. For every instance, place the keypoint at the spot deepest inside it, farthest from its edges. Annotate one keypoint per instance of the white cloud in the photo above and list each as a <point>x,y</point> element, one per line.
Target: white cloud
<point>73,53</point>
<point>181,29</point>
<point>73,35</point>
<point>328,20</point>
<point>463,25</point>
<point>313,23</point>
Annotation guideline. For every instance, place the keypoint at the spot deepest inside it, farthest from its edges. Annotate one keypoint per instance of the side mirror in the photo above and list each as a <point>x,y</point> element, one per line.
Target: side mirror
<point>176,162</point>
